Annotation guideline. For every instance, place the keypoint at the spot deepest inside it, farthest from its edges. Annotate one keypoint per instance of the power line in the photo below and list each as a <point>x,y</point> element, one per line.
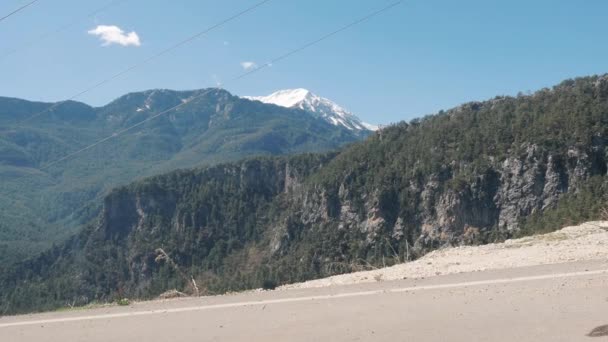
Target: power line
<point>241,76</point>
<point>61,28</point>
<point>149,59</point>
<point>322,38</point>
<point>18,10</point>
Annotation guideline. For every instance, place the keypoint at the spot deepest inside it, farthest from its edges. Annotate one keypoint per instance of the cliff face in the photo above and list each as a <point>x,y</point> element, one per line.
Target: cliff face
<point>466,176</point>
<point>535,180</point>
<point>199,218</point>
<point>439,210</point>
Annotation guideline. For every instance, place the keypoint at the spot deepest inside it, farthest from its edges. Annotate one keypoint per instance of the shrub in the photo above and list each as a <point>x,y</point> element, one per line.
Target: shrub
<point>269,284</point>
<point>123,302</point>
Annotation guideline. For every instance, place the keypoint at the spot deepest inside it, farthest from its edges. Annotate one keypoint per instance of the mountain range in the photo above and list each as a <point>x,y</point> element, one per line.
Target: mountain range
<point>477,173</point>
<point>43,203</point>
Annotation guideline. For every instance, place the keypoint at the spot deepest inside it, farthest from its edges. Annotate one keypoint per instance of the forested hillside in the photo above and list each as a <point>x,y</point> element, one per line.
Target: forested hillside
<point>40,205</point>
<point>478,173</point>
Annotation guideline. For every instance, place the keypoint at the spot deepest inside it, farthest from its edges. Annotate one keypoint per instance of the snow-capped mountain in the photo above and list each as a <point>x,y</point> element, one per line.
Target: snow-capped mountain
<point>317,106</point>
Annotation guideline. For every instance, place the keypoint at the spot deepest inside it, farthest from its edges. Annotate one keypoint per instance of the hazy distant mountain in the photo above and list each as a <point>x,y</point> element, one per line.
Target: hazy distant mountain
<point>318,106</point>
<point>213,126</point>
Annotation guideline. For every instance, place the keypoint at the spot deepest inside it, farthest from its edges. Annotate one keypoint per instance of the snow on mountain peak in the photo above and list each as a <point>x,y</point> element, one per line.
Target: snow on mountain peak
<point>318,106</point>
<point>285,98</point>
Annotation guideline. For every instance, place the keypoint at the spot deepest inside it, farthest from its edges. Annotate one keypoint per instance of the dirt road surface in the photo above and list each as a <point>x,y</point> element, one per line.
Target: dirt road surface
<point>560,302</point>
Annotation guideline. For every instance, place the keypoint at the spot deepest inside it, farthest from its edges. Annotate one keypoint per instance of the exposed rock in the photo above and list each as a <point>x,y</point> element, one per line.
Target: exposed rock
<point>500,197</point>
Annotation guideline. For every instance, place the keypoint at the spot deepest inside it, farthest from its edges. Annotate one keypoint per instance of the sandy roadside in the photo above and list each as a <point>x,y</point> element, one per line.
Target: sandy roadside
<point>588,241</point>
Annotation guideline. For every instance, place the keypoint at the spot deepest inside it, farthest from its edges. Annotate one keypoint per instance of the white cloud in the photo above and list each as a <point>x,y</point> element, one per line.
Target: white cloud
<point>249,65</point>
<point>110,34</point>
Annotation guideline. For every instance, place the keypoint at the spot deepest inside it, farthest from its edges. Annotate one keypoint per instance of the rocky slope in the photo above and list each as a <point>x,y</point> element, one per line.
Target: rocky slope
<point>475,174</point>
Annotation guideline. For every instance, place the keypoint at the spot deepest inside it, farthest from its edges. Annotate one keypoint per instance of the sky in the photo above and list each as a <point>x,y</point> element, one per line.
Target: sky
<point>416,59</point>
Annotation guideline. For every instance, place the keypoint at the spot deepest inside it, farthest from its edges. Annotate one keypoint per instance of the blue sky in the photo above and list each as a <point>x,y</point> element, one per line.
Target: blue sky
<point>420,57</point>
